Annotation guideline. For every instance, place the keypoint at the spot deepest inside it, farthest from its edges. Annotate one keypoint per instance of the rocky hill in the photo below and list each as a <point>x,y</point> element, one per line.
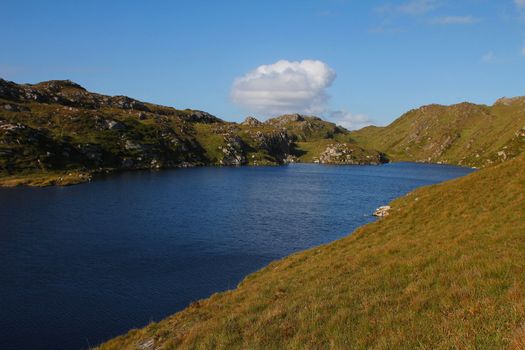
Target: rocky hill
<point>57,132</point>
<point>444,270</point>
<point>319,141</point>
<point>463,134</point>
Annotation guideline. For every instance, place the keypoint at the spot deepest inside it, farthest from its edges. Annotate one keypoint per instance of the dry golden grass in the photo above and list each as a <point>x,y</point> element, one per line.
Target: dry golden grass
<point>446,270</point>
<point>518,341</point>
<point>45,179</point>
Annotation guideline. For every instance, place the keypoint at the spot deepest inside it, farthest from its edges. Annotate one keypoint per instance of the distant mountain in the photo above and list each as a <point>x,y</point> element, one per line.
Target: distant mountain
<point>463,134</point>
<point>56,132</point>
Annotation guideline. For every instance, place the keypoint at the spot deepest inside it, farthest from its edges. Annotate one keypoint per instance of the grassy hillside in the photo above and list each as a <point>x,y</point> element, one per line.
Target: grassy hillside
<point>57,132</point>
<point>464,134</point>
<point>445,270</point>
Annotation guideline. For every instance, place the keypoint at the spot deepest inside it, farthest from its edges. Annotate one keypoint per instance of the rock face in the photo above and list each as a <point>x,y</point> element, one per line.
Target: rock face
<point>343,153</point>
<point>234,154</point>
<point>251,121</point>
<point>277,143</point>
<point>202,117</point>
<point>286,119</point>
<point>303,128</point>
<point>382,211</point>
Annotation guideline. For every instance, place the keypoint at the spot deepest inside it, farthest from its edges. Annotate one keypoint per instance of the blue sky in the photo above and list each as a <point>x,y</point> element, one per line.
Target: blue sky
<point>361,61</point>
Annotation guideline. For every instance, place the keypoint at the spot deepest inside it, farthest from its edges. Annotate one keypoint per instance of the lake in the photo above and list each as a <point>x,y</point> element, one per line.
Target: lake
<point>81,264</point>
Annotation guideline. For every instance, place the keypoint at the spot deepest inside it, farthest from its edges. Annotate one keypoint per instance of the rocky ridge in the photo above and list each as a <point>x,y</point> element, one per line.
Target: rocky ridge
<point>60,127</point>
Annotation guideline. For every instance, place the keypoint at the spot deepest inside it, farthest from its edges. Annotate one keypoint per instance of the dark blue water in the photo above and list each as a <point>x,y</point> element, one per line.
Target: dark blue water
<point>81,264</point>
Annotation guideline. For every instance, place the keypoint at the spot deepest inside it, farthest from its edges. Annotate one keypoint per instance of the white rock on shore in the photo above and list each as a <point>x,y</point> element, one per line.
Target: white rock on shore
<point>382,211</point>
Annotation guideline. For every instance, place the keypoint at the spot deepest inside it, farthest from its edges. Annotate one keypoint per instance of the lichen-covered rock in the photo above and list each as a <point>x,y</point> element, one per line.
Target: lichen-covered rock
<point>200,117</point>
<point>233,151</point>
<point>382,211</point>
<point>344,153</point>
<point>251,121</point>
<point>115,125</point>
<point>125,102</point>
<point>285,119</point>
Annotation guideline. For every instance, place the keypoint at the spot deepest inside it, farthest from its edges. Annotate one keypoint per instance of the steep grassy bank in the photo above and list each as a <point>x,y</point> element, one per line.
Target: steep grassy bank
<point>445,270</point>
<point>463,134</point>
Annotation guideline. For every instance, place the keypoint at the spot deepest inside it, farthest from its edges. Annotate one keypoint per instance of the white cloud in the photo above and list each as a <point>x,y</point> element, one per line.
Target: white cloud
<point>488,57</point>
<point>455,20</point>
<point>284,87</point>
<point>523,51</point>
<point>520,4</point>
<point>350,121</point>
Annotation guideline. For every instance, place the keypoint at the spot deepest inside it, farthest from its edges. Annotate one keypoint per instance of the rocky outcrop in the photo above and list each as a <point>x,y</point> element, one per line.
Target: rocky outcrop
<point>344,153</point>
<point>382,211</point>
<point>251,121</point>
<point>507,101</point>
<point>303,128</point>
<point>233,151</point>
<point>276,143</point>
<point>286,119</point>
<point>26,149</point>
<point>115,125</point>
<point>201,117</point>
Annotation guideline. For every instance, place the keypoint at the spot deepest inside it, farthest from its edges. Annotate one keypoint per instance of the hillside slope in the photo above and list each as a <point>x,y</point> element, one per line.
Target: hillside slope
<point>444,270</point>
<point>58,132</point>
<point>463,134</point>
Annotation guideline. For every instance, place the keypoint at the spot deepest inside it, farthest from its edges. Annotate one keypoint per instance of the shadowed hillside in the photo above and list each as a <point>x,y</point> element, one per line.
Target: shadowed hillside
<point>444,270</point>
<point>57,132</point>
<point>463,134</point>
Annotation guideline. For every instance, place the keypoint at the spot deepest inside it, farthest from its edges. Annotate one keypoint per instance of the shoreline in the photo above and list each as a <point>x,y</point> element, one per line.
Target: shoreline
<point>76,177</point>
<point>66,178</point>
